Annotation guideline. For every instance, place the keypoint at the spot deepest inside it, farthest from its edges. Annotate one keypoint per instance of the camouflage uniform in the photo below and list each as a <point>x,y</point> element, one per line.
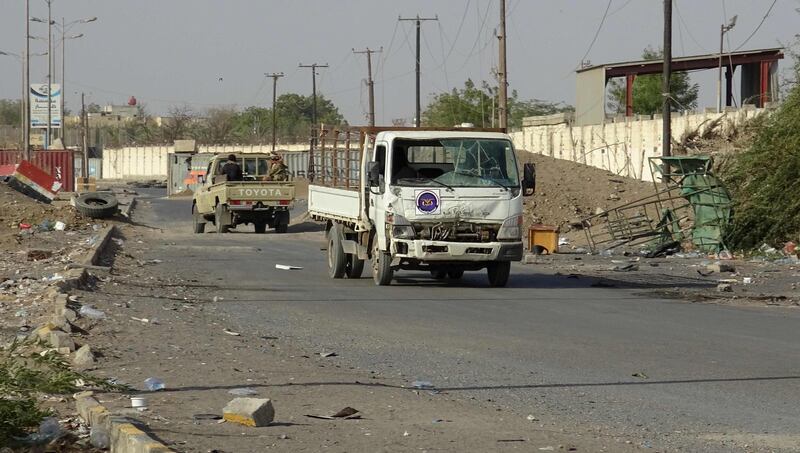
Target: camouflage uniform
<point>278,171</point>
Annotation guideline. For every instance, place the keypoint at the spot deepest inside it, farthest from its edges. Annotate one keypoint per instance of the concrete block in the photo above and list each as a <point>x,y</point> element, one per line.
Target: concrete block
<point>721,267</point>
<point>43,332</point>
<point>61,323</point>
<point>724,288</point>
<point>59,339</point>
<point>84,358</point>
<point>70,315</point>
<point>85,404</point>
<point>249,411</point>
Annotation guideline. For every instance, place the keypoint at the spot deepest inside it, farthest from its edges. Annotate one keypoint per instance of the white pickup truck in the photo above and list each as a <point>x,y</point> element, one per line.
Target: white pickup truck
<point>445,201</point>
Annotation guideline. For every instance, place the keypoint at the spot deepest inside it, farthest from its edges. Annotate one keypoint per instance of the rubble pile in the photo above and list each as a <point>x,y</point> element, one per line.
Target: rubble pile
<point>567,191</point>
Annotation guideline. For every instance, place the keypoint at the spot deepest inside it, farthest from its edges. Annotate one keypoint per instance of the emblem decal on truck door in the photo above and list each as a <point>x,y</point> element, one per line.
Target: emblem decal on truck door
<point>427,202</point>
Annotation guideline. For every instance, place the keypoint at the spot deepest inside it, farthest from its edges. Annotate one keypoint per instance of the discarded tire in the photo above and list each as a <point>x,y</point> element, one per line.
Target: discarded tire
<point>97,205</point>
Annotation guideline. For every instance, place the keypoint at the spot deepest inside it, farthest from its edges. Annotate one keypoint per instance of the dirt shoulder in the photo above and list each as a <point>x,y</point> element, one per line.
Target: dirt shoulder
<point>187,342</point>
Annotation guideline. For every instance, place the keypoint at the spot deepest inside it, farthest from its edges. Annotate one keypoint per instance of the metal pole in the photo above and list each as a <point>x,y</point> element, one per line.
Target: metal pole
<point>370,82</point>
<point>418,110</point>
<point>502,73</point>
<point>666,133</point>
<point>27,82</point>
<point>63,133</point>
<point>49,72</point>
<point>22,100</point>
<point>275,76</point>
<point>314,89</point>
<point>719,69</point>
<point>84,138</point>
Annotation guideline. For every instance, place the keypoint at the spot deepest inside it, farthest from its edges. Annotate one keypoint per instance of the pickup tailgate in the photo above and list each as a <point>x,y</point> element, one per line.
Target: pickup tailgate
<point>268,193</point>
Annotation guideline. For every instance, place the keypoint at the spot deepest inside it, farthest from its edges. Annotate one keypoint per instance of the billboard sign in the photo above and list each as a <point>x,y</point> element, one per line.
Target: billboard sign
<point>38,99</point>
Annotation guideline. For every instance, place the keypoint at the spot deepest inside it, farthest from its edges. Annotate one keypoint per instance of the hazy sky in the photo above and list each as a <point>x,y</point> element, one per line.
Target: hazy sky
<point>168,52</point>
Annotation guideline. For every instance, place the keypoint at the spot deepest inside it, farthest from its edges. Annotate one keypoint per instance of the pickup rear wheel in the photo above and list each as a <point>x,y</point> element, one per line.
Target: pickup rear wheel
<point>337,260</point>
<point>354,267</point>
<point>199,221</point>
<point>498,272</point>
<point>219,214</point>
<point>281,228</point>
<point>381,266</point>
<point>260,227</point>
<point>455,274</point>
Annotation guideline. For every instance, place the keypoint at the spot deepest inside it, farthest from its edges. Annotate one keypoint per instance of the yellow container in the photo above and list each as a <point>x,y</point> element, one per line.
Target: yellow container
<point>545,236</point>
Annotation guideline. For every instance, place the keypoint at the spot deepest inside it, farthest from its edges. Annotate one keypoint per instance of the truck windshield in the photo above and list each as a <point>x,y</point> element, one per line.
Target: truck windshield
<point>454,162</point>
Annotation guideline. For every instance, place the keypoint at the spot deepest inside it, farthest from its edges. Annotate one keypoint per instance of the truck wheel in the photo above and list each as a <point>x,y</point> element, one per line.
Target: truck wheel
<point>381,266</point>
<point>354,267</point>
<point>281,228</point>
<point>260,227</point>
<point>456,274</point>
<point>219,214</point>
<point>199,221</point>
<point>337,260</point>
<point>439,274</point>
<point>498,272</point>
<point>97,205</point>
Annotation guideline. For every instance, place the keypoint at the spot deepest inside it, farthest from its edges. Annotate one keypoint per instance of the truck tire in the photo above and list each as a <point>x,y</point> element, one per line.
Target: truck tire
<point>281,228</point>
<point>199,221</point>
<point>260,227</point>
<point>354,267</point>
<point>438,274</point>
<point>498,273</point>
<point>337,259</point>
<point>219,214</point>
<point>97,205</point>
<point>455,274</point>
<point>381,266</point>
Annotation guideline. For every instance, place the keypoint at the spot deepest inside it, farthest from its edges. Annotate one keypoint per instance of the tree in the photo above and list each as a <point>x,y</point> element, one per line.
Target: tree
<point>647,89</point>
<point>93,108</point>
<point>294,115</point>
<point>478,105</point>
<point>178,125</point>
<point>219,126</point>
<point>10,112</point>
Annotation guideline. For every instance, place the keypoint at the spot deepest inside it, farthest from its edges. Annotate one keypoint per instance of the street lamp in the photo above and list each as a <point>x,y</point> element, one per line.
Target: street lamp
<point>722,30</point>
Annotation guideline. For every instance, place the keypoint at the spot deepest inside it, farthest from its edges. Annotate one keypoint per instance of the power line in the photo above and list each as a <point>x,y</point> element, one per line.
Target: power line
<point>763,19</point>
<point>597,33</point>
<point>688,30</point>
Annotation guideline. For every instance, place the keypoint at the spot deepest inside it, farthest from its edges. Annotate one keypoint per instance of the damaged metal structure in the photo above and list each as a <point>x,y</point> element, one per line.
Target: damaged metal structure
<point>690,204</point>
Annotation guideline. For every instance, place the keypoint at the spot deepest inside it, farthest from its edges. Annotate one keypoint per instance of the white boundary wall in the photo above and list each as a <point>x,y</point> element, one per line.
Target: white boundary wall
<point>622,147</point>
<point>150,162</point>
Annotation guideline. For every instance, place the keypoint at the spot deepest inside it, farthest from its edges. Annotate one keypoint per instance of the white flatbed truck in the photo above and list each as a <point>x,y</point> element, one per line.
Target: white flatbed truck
<point>441,200</point>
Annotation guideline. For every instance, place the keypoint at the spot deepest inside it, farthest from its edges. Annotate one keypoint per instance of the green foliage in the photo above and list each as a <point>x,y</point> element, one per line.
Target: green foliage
<point>475,105</point>
<point>764,181</point>
<point>24,374</point>
<point>10,111</point>
<point>647,89</point>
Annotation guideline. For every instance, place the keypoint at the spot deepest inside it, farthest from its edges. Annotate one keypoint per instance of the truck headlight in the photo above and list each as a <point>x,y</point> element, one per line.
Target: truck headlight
<point>511,229</point>
<point>401,227</point>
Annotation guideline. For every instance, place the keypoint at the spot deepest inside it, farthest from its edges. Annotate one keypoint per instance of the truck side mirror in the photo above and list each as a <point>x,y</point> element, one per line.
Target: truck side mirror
<point>528,179</point>
<point>374,174</point>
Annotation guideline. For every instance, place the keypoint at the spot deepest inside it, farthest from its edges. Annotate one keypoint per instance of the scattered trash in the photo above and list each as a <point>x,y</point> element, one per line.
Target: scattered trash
<point>563,241</point>
<point>154,384</point>
<point>138,401</point>
<point>286,267</point>
<point>25,226</point>
<point>60,226</point>
<point>422,385</point>
<point>721,267</point>
<point>725,255</point>
<point>640,375</point>
<point>789,248</point>
<point>348,413</point>
<point>91,313</point>
<point>328,354</point>
<point>198,417</point>
<point>704,273</point>
<point>243,391</point>
<point>627,268</point>
<point>547,448</point>
<point>606,253</point>
<point>406,434</point>
<point>767,249</point>
<point>47,225</point>
<point>49,430</point>
<point>99,437</point>
<point>724,288</point>
<point>21,313</point>
<point>747,280</point>
<point>232,333</point>
<point>511,440</point>
<point>531,418</point>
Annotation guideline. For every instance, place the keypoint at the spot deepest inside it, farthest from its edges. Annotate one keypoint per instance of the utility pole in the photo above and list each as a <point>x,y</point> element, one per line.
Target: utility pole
<point>666,133</point>
<point>722,30</point>
<point>27,82</point>
<point>502,72</point>
<point>418,20</point>
<point>63,80</point>
<point>275,76</point>
<point>370,82</point>
<point>49,72</point>
<point>85,138</point>
<point>314,67</point>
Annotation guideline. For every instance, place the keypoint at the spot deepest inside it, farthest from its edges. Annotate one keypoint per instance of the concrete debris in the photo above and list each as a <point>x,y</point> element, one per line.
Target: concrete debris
<point>59,339</point>
<point>724,288</point>
<point>249,411</point>
<point>721,267</point>
<point>84,358</point>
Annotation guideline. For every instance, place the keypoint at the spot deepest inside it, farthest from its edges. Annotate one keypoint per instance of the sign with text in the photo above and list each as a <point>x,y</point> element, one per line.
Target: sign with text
<point>38,99</point>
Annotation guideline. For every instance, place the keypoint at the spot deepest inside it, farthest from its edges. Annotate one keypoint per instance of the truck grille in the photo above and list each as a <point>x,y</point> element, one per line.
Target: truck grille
<point>456,232</point>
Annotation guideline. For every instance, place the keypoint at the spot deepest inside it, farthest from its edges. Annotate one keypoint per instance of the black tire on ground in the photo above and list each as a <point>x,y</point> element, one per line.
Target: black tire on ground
<point>281,228</point>
<point>381,266</point>
<point>439,274</point>
<point>455,274</point>
<point>97,205</point>
<point>337,259</point>
<point>498,272</point>
<point>219,213</point>
<point>354,267</point>
<point>260,227</point>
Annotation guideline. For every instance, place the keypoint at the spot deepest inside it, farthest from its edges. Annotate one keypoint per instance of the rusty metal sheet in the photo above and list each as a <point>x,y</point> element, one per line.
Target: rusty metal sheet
<point>60,164</point>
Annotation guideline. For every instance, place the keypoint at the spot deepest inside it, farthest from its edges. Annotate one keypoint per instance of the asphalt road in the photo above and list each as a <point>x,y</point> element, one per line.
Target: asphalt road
<point>666,373</point>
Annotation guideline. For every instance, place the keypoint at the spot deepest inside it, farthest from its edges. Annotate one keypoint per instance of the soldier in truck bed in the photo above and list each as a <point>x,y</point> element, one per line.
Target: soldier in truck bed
<point>231,169</point>
<point>278,171</point>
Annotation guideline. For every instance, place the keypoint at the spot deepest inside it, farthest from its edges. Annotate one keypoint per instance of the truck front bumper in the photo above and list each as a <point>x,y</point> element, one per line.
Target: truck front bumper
<point>425,250</point>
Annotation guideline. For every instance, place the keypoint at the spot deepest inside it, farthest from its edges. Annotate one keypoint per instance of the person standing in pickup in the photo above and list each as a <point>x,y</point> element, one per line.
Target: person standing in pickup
<point>278,171</point>
<point>231,169</point>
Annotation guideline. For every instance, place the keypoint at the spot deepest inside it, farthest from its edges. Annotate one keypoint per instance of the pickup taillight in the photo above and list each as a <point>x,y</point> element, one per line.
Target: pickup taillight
<point>235,202</point>
<point>285,202</point>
